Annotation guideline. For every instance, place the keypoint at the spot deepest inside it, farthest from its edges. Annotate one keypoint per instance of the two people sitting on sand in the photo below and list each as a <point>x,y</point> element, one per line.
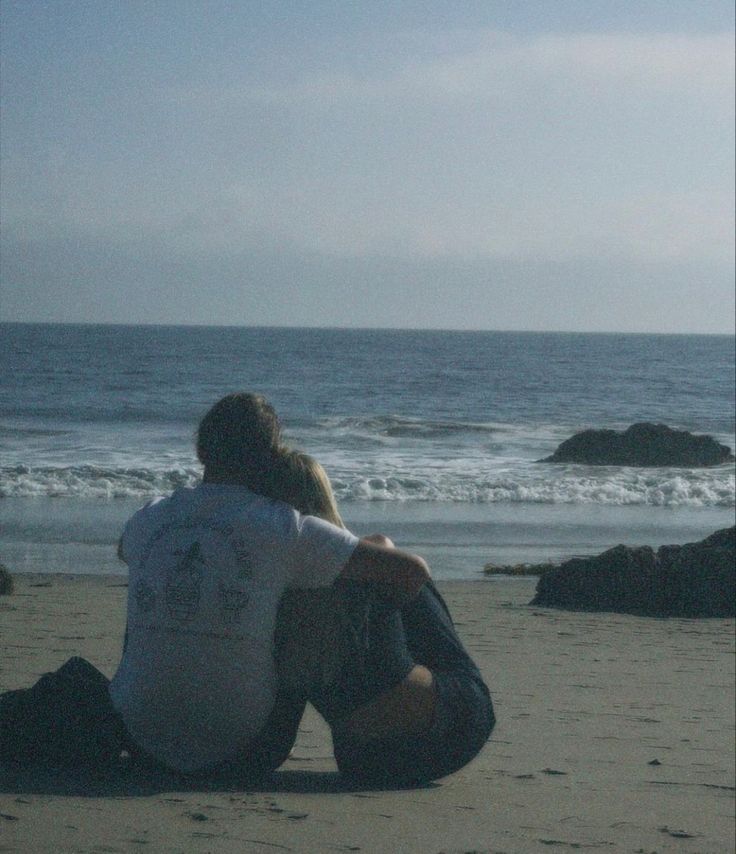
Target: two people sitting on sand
<point>248,598</point>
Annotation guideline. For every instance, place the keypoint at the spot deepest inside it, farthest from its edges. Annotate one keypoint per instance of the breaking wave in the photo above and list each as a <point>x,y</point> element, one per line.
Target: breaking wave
<point>529,484</point>
<point>91,481</point>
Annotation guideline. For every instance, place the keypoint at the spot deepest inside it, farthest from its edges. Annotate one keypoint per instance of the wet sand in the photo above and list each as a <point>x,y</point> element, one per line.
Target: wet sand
<point>615,733</point>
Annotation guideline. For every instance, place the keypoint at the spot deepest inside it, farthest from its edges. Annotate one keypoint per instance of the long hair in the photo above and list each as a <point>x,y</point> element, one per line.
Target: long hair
<point>299,480</point>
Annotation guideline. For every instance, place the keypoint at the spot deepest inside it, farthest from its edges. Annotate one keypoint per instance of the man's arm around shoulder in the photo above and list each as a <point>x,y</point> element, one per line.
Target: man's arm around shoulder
<point>401,574</point>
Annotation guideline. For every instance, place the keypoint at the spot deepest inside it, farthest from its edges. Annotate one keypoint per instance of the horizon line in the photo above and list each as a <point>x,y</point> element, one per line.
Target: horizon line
<point>196,325</point>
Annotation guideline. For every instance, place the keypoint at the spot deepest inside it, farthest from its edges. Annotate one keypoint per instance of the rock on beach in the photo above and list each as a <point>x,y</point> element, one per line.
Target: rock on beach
<point>691,580</point>
<point>642,444</point>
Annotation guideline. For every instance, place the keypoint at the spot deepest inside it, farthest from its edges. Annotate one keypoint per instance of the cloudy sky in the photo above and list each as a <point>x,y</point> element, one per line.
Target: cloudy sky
<point>537,164</point>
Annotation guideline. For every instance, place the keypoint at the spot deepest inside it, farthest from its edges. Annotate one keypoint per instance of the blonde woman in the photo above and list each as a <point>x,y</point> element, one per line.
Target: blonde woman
<point>347,647</point>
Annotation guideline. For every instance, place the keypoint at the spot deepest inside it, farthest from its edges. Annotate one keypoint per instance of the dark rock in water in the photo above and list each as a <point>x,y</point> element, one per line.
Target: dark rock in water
<point>693,580</point>
<point>641,445</point>
<point>6,581</point>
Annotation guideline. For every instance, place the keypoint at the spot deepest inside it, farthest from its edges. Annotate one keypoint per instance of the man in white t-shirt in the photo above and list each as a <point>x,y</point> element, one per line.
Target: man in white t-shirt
<point>197,684</point>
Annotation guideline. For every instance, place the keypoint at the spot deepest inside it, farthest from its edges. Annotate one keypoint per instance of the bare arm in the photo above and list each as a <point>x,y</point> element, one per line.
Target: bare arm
<point>400,574</point>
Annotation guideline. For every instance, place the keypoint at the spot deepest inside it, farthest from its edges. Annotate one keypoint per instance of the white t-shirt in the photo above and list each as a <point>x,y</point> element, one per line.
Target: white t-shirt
<point>207,567</point>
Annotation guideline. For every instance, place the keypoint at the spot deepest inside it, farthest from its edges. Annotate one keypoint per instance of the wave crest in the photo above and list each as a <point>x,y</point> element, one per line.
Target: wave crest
<point>622,490</point>
<point>91,481</point>
<point>694,488</point>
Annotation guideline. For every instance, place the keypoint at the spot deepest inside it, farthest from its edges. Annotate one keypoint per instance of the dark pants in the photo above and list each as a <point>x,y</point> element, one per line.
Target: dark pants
<point>463,717</point>
<point>376,646</point>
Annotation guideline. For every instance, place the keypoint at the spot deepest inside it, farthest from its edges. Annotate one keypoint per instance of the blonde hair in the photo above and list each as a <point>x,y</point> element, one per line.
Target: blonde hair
<point>299,480</point>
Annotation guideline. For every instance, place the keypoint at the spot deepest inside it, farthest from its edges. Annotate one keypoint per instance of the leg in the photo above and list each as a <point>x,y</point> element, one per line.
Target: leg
<point>403,698</point>
<point>406,709</point>
<point>462,723</point>
<point>307,625</point>
<point>431,633</point>
<point>462,713</point>
<point>340,648</point>
<point>310,661</point>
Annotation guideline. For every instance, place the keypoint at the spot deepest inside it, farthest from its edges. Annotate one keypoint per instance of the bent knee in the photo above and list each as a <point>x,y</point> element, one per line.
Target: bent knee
<point>405,709</point>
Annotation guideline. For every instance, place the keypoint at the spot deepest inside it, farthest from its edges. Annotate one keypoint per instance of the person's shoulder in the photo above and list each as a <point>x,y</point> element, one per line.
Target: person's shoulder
<point>277,513</point>
<point>153,505</point>
<point>242,508</point>
<point>307,522</point>
<point>144,515</point>
<point>140,526</point>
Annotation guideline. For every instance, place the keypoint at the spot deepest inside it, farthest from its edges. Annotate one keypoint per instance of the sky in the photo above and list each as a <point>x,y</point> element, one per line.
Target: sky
<point>529,165</point>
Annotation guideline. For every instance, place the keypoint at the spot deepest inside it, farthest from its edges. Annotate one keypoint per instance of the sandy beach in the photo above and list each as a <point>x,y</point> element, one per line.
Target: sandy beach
<point>615,733</point>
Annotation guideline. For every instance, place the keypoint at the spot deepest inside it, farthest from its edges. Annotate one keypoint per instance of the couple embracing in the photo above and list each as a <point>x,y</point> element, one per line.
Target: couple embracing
<point>248,598</point>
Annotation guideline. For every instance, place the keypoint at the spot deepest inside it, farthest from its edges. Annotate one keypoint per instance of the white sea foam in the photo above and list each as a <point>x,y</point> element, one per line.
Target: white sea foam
<point>91,481</point>
<point>624,489</point>
<point>534,484</point>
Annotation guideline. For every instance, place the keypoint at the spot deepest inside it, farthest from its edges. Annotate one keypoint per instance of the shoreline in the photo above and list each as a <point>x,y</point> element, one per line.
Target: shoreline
<point>614,733</point>
<point>58,535</point>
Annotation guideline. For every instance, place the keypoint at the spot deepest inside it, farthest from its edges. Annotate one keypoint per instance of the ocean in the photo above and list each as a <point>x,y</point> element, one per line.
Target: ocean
<point>431,437</point>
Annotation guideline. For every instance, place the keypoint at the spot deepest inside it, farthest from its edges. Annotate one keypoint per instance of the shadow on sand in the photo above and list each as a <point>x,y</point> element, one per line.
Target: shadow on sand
<point>129,780</point>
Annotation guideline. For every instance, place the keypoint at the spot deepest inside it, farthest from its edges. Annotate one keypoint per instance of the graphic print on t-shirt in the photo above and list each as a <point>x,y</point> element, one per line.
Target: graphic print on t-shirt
<point>184,583</point>
<point>232,602</point>
<point>244,556</point>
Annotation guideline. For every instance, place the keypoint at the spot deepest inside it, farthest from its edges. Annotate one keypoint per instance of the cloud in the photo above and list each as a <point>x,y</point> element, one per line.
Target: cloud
<point>500,147</point>
<point>501,66</point>
<point>554,146</point>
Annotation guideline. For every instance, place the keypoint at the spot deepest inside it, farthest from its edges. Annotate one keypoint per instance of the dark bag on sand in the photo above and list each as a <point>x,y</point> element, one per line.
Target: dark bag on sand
<point>65,719</point>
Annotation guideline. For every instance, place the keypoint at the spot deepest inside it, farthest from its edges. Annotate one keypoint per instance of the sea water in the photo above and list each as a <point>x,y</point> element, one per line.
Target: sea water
<point>431,437</point>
